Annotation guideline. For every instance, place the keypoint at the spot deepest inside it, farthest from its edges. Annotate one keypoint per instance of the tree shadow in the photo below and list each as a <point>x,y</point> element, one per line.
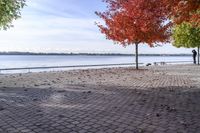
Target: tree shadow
<point>100,108</point>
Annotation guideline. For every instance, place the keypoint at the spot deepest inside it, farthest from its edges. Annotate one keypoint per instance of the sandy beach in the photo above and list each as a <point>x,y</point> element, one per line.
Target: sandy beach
<point>154,76</point>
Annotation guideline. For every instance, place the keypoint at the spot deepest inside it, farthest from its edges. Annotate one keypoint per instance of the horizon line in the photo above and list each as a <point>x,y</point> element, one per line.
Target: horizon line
<point>80,53</point>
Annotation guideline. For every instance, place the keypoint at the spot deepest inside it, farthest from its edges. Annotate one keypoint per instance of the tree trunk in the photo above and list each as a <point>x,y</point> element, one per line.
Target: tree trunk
<point>198,55</point>
<point>136,55</point>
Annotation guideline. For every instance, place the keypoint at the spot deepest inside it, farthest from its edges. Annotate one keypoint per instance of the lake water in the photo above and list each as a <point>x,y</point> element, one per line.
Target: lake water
<point>18,61</point>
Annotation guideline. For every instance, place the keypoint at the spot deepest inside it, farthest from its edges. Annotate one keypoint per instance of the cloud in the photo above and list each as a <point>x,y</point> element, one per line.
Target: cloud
<point>64,26</point>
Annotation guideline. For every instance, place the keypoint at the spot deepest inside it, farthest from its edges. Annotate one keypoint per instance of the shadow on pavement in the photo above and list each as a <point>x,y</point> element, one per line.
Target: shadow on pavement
<point>100,109</point>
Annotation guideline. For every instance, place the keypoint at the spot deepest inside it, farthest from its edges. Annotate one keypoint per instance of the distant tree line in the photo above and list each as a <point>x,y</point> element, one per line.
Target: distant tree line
<point>92,54</point>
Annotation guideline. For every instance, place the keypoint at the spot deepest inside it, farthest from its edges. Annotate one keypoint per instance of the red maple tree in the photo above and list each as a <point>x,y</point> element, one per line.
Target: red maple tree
<point>135,22</point>
<point>184,10</point>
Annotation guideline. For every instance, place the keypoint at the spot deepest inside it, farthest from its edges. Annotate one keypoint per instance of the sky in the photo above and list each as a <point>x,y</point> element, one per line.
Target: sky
<point>67,26</point>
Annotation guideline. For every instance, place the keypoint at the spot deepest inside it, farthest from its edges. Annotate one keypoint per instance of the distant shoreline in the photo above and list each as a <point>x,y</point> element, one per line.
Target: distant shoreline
<point>87,54</point>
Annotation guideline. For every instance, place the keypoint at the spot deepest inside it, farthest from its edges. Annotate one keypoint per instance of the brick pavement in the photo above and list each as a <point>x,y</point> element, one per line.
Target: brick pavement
<point>142,108</point>
<point>100,110</point>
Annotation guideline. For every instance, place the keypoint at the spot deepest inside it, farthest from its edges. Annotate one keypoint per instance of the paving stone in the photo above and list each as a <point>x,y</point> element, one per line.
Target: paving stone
<point>120,109</point>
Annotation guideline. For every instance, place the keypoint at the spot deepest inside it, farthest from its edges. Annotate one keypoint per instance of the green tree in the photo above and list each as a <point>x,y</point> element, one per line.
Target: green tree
<point>186,35</point>
<point>9,11</point>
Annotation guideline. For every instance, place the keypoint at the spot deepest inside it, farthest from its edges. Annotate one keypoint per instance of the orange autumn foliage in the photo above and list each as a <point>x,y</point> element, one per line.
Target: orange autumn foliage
<point>135,21</point>
<point>184,10</point>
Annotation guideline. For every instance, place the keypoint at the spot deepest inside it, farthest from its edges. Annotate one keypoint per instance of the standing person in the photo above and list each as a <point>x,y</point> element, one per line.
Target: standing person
<point>194,55</point>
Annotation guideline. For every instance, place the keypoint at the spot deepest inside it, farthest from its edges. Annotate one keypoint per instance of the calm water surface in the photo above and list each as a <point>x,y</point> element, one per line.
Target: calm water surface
<point>15,61</point>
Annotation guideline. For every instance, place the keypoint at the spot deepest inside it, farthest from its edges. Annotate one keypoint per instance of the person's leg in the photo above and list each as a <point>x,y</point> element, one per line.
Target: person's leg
<point>194,58</point>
